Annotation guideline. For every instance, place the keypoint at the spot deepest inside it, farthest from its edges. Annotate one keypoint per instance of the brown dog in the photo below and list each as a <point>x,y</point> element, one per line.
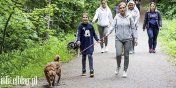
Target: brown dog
<point>52,70</point>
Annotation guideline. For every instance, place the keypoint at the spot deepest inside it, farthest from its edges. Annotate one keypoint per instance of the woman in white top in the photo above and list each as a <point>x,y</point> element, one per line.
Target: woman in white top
<point>134,12</point>
<point>104,16</point>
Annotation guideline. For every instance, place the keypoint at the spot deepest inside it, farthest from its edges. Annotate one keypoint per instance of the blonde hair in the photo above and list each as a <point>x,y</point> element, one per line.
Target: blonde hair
<point>122,3</point>
<point>150,6</point>
<point>85,13</point>
<point>104,0</point>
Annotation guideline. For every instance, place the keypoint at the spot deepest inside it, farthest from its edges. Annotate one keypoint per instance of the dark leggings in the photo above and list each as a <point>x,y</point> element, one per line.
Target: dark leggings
<point>84,62</point>
<point>152,35</point>
<point>132,44</point>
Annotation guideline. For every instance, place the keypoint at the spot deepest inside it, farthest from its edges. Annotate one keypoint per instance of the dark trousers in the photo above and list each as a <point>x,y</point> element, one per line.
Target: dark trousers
<point>138,6</point>
<point>84,62</point>
<point>102,32</point>
<point>152,35</point>
<point>132,44</point>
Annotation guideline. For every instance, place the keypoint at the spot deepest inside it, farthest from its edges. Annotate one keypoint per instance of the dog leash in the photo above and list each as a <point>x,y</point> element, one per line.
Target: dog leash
<point>94,43</point>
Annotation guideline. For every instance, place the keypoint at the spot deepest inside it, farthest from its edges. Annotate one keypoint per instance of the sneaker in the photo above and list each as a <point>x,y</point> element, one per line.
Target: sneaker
<point>92,74</point>
<point>102,50</point>
<point>106,49</point>
<point>124,74</point>
<point>153,51</point>
<point>83,73</point>
<point>131,52</point>
<point>117,70</point>
<point>122,54</point>
<point>150,50</point>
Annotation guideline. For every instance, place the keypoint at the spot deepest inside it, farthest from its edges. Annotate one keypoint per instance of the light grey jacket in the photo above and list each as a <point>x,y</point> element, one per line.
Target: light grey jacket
<point>124,27</point>
<point>135,15</point>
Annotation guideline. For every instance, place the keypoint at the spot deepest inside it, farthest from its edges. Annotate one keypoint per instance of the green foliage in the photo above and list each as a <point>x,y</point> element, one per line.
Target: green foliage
<point>168,34</point>
<point>15,27</point>
<point>112,4</point>
<point>19,31</point>
<point>33,31</point>
<point>167,7</point>
<point>90,6</point>
<point>168,37</point>
<point>30,62</point>
<point>24,20</point>
<point>66,15</point>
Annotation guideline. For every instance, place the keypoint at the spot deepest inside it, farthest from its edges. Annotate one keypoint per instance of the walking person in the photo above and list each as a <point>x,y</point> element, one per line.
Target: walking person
<point>153,23</point>
<point>134,12</point>
<point>138,4</point>
<point>85,36</point>
<point>124,27</point>
<point>104,16</point>
<point>116,8</point>
<point>127,1</point>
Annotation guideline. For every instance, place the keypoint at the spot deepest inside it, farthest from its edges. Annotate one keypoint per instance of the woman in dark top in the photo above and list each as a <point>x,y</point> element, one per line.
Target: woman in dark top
<point>153,23</point>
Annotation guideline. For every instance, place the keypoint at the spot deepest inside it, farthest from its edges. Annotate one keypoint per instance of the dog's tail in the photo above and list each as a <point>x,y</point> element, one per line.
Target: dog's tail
<point>57,58</point>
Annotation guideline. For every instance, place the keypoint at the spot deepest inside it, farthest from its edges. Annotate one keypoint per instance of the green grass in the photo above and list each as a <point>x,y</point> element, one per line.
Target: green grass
<point>30,62</point>
<point>96,28</point>
<point>167,38</point>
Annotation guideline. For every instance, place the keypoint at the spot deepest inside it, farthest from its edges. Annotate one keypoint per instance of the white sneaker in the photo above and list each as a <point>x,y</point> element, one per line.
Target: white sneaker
<point>131,52</point>
<point>117,70</point>
<point>102,50</point>
<point>106,49</point>
<point>124,74</point>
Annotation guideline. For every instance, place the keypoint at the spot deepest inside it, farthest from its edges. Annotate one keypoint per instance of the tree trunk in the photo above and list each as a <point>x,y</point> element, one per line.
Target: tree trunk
<point>4,33</point>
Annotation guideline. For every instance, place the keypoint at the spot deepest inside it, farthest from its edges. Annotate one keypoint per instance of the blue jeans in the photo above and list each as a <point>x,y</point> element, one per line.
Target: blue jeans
<point>152,35</point>
<point>84,62</point>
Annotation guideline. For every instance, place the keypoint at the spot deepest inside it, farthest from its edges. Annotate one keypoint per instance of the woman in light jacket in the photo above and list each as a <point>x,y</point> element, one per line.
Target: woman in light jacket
<point>134,12</point>
<point>124,27</point>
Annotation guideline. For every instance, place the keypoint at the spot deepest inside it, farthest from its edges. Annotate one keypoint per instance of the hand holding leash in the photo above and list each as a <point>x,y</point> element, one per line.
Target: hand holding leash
<point>79,43</point>
<point>99,41</point>
<point>160,28</point>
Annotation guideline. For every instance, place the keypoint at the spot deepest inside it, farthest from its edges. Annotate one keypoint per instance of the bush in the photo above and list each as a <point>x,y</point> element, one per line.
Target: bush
<point>167,7</point>
<point>30,62</point>
<point>168,37</point>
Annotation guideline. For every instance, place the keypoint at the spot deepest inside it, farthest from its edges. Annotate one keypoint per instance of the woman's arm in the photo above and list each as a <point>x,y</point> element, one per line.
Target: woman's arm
<point>133,28</point>
<point>79,33</point>
<point>95,16</point>
<point>113,26</point>
<point>160,19</point>
<point>145,20</point>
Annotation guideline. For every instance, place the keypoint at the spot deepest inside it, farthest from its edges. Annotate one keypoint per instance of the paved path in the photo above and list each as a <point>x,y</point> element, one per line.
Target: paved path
<point>145,70</point>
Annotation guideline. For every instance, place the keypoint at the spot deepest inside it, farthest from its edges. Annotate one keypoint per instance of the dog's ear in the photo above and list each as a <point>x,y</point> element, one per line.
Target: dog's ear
<point>57,58</point>
<point>72,45</point>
